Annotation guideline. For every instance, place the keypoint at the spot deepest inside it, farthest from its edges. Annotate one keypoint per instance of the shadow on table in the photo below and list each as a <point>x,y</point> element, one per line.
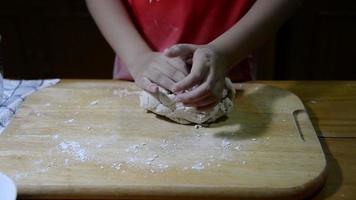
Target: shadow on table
<point>247,130</point>
<point>251,124</point>
<point>333,167</point>
<point>239,120</point>
<point>335,176</point>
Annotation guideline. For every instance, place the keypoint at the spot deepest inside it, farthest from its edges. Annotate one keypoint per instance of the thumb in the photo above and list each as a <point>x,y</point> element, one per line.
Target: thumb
<point>180,50</point>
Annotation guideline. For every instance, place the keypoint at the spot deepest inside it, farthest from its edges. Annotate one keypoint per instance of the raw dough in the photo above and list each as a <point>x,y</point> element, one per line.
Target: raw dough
<point>163,104</point>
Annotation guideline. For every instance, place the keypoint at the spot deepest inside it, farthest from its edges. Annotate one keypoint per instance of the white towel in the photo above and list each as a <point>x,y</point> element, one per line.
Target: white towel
<point>15,92</point>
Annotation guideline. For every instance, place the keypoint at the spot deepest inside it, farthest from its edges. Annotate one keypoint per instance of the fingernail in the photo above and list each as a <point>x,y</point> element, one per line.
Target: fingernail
<point>173,49</point>
<point>166,51</point>
<point>154,89</point>
<point>177,99</point>
<point>175,89</point>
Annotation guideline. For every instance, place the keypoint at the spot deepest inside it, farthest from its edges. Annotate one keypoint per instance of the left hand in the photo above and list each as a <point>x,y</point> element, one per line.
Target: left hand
<point>206,79</point>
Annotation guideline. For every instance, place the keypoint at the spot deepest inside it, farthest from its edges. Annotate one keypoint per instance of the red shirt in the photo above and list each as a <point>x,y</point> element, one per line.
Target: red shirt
<point>163,23</point>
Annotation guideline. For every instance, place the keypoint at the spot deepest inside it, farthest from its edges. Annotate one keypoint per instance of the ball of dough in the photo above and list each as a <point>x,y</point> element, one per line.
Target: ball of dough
<point>162,103</point>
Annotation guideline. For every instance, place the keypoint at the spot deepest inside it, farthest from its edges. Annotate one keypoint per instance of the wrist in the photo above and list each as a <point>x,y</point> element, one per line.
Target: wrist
<point>137,61</point>
<point>134,56</point>
<point>225,60</point>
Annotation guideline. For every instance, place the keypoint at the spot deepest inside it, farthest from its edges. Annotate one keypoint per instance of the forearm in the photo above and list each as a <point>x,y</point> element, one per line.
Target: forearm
<point>258,25</point>
<point>117,28</point>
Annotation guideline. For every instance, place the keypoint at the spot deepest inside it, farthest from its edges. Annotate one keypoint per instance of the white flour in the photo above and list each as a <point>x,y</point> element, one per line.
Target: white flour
<point>153,156</point>
<point>124,92</point>
<point>74,149</point>
<point>198,166</point>
<point>93,103</point>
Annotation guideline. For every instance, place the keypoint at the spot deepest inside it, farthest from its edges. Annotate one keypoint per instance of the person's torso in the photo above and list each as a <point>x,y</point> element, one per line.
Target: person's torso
<point>166,22</point>
<point>163,23</point>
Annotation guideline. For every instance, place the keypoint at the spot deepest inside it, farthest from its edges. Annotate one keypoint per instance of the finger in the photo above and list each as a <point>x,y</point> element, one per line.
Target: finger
<point>162,80</point>
<point>206,107</point>
<point>169,70</point>
<point>187,83</point>
<point>174,74</point>
<point>147,85</point>
<point>188,97</point>
<point>198,72</point>
<point>198,99</point>
<point>205,101</point>
<point>189,61</point>
<point>179,64</point>
<point>181,50</point>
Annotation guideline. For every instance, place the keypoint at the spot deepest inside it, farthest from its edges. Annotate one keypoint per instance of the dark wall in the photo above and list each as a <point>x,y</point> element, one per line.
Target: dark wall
<point>319,42</point>
<point>58,38</point>
<point>54,38</point>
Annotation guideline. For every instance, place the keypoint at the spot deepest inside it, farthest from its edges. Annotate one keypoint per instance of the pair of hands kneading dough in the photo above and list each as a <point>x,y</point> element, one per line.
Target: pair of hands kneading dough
<point>162,103</point>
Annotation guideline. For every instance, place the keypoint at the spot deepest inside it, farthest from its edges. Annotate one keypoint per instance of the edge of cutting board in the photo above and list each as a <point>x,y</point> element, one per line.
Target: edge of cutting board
<point>176,191</point>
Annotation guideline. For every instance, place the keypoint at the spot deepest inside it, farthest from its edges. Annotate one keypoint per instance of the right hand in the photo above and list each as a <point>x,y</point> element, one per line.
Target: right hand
<point>206,81</point>
<point>154,69</point>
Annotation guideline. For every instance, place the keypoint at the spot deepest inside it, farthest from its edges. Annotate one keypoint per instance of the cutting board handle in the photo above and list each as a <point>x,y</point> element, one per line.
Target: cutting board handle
<point>303,125</point>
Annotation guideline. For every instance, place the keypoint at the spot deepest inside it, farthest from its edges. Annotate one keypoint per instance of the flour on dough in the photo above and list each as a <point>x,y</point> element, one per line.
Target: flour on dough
<point>163,104</point>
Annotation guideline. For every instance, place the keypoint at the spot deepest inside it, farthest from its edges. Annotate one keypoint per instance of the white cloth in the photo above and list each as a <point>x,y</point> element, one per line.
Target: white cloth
<point>15,92</point>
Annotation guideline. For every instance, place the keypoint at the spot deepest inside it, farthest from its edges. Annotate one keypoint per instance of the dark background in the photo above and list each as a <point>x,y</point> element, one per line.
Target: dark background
<point>58,38</point>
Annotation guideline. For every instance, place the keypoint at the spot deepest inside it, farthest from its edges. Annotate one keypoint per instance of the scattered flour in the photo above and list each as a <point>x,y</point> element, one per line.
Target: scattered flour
<point>38,114</point>
<point>225,145</point>
<point>69,121</point>
<point>163,146</point>
<point>124,92</point>
<point>74,149</point>
<point>198,166</point>
<point>162,166</point>
<point>134,148</point>
<point>150,160</point>
<point>116,166</point>
<point>151,155</point>
<point>55,137</point>
<point>93,103</point>
<point>313,102</point>
<point>66,161</point>
<point>21,175</point>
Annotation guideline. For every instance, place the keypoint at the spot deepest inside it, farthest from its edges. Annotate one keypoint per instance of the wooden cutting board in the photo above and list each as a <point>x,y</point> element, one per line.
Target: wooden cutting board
<point>82,139</point>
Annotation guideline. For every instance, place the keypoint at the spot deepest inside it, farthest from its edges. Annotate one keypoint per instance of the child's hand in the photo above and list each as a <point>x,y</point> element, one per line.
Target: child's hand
<point>207,76</point>
<point>153,69</point>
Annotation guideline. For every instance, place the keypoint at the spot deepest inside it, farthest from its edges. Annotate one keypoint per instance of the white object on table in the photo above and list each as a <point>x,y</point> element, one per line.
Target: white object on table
<point>8,189</point>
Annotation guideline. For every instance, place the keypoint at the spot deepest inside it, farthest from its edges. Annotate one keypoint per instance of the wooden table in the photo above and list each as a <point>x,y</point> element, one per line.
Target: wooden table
<point>332,108</point>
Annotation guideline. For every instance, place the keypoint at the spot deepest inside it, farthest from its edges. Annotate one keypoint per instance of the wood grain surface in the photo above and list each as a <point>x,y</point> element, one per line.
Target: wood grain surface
<point>83,139</point>
<point>330,104</point>
<point>332,107</point>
